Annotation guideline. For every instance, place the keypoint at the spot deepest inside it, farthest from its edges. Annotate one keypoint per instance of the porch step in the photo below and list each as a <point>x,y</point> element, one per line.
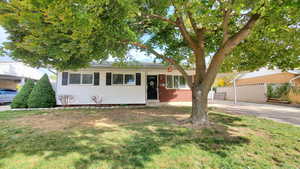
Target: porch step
<point>152,102</point>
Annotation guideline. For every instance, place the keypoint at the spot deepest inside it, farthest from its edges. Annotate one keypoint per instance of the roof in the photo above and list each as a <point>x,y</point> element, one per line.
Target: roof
<point>265,72</point>
<point>19,69</point>
<point>129,65</point>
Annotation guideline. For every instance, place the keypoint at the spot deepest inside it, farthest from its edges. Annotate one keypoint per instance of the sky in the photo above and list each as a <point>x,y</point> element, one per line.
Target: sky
<point>3,38</point>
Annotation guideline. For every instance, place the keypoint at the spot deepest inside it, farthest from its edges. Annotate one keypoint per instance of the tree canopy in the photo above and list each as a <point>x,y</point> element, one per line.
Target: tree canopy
<point>69,34</point>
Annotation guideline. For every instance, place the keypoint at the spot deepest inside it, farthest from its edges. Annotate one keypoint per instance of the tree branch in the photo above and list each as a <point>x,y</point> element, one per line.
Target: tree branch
<point>167,59</point>
<point>52,71</point>
<point>185,33</point>
<point>194,24</point>
<point>161,18</point>
<point>228,46</point>
<point>225,26</point>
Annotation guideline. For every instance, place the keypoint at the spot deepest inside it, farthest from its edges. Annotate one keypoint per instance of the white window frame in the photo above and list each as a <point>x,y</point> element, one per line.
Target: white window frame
<point>178,88</point>
<point>81,75</point>
<point>123,83</point>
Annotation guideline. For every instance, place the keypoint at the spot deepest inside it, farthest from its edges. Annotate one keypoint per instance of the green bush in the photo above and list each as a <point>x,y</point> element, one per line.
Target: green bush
<point>270,92</point>
<point>42,95</point>
<point>278,91</point>
<point>21,99</point>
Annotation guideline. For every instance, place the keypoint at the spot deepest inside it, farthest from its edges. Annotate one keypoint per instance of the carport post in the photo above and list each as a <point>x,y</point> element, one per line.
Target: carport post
<point>212,94</point>
<point>235,91</point>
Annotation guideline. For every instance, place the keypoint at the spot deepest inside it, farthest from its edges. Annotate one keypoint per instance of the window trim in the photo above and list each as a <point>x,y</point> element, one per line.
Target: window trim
<point>81,75</point>
<point>178,88</point>
<point>123,83</point>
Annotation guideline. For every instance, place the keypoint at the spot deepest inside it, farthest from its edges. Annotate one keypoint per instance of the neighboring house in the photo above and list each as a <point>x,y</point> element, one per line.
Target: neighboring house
<point>269,76</point>
<point>132,84</point>
<point>252,86</point>
<point>14,73</point>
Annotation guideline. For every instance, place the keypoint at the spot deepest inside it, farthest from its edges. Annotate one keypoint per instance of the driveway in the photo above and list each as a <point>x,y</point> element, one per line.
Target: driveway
<point>275,112</point>
<point>4,107</point>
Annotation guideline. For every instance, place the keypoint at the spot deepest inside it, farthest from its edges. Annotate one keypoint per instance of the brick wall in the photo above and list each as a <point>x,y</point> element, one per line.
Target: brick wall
<point>172,95</point>
<point>275,78</point>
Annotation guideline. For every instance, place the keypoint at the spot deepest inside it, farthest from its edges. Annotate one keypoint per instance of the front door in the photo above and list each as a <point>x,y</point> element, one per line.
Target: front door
<point>152,87</point>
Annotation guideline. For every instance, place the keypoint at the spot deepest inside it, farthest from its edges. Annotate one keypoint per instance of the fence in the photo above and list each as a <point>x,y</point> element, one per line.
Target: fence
<point>247,93</point>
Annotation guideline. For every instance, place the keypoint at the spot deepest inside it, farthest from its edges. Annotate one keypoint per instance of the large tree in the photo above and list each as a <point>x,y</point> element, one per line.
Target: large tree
<point>203,34</point>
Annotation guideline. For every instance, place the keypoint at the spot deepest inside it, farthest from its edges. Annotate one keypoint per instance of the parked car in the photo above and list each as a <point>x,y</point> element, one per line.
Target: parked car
<point>7,95</point>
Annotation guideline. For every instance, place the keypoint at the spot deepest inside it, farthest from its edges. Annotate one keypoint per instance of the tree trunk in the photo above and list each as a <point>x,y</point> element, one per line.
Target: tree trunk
<point>199,115</point>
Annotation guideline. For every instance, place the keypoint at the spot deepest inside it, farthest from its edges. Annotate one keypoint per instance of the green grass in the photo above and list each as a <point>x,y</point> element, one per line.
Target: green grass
<point>6,115</point>
<point>146,138</point>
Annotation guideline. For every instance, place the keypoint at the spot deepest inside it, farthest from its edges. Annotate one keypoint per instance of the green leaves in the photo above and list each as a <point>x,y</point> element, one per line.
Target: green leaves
<point>70,34</point>
<point>21,99</point>
<point>42,95</point>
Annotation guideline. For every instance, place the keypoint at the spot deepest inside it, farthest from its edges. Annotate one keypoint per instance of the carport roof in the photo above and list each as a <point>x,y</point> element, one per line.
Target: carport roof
<point>19,70</point>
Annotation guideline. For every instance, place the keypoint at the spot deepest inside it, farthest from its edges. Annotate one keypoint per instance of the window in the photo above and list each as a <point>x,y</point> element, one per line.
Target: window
<point>75,78</point>
<point>78,78</point>
<point>129,79</point>
<point>117,79</point>
<point>169,81</point>
<point>182,82</point>
<point>121,79</point>
<point>176,82</point>
<point>87,78</point>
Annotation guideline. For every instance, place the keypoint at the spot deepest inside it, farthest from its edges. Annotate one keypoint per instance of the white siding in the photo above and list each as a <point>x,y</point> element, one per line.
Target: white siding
<point>114,94</point>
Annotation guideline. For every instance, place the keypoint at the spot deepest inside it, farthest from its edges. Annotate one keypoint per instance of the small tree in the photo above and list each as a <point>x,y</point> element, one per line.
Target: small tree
<point>42,95</point>
<point>21,100</point>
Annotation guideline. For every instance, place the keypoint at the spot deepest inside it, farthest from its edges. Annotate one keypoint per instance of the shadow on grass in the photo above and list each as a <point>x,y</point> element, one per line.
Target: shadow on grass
<point>95,146</point>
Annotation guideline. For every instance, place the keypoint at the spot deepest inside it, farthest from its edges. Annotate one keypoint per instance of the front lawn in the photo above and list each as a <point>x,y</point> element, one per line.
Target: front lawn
<point>143,138</point>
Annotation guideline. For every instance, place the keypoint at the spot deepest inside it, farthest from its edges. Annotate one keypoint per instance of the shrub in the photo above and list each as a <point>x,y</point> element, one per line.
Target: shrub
<point>279,91</point>
<point>21,99</point>
<point>42,95</point>
<point>270,91</point>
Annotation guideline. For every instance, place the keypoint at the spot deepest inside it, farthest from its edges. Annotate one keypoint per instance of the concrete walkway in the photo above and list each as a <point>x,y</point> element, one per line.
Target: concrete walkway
<point>4,107</point>
<point>275,112</point>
